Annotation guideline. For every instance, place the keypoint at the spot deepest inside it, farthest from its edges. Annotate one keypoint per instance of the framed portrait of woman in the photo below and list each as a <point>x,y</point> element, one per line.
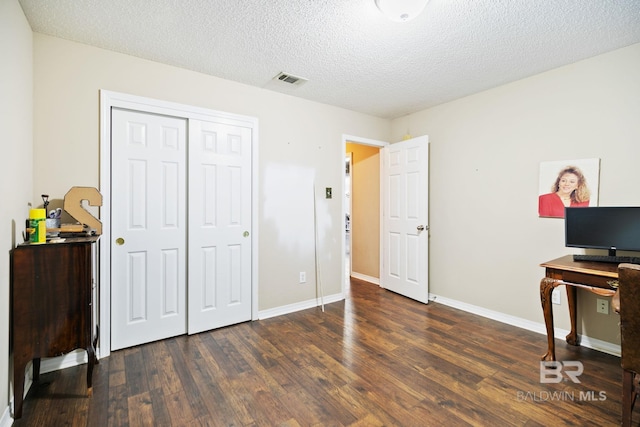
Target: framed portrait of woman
<point>567,183</point>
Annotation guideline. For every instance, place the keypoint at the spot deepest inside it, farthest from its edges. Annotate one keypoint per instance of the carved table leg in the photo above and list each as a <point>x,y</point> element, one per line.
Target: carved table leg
<point>19,366</point>
<point>18,387</point>
<point>572,338</point>
<point>91,360</point>
<point>95,343</point>
<point>36,369</point>
<point>546,288</point>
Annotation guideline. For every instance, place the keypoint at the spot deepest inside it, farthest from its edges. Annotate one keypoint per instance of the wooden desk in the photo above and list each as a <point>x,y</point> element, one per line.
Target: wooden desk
<point>52,292</point>
<point>598,277</point>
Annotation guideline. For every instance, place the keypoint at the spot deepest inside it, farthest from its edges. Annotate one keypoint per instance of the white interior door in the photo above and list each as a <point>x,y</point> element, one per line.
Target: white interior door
<point>405,236</point>
<point>219,225</point>
<point>148,220</point>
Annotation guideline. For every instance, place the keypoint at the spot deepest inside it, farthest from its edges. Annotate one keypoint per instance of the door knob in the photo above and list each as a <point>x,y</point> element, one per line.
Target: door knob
<point>245,234</point>
<point>420,227</point>
<point>119,241</point>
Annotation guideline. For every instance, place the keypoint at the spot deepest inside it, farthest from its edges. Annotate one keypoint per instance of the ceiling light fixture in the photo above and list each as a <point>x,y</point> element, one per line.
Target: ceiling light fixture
<point>401,10</point>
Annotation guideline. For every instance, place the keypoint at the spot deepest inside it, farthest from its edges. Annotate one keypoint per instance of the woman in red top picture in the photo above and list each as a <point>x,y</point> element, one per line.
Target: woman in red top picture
<point>569,190</point>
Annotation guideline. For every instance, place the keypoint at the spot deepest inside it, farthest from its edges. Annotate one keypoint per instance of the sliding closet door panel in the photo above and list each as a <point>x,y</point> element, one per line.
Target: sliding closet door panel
<point>219,225</point>
<point>148,203</point>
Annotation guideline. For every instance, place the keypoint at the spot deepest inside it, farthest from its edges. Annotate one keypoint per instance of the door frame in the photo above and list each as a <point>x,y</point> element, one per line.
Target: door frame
<point>109,99</point>
<point>363,141</point>
<point>348,204</point>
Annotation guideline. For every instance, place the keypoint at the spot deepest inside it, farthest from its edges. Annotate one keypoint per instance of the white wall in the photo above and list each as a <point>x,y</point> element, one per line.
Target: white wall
<point>486,240</point>
<point>16,104</point>
<point>299,142</point>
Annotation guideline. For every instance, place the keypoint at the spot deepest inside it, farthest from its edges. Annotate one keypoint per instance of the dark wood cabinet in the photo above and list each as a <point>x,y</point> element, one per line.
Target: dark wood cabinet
<point>52,293</point>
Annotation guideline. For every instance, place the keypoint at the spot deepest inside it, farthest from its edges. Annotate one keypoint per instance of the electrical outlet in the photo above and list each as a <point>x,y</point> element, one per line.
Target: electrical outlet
<point>303,277</point>
<point>602,306</point>
<point>555,296</point>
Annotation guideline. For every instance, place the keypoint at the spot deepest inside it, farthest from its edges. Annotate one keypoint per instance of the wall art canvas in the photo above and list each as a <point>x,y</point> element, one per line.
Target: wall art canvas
<point>567,183</point>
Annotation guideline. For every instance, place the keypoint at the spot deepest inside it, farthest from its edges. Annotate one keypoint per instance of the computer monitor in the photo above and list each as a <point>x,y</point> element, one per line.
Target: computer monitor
<point>611,228</point>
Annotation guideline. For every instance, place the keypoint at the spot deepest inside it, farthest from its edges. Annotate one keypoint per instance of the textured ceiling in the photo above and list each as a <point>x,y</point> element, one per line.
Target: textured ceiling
<point>352,56</point>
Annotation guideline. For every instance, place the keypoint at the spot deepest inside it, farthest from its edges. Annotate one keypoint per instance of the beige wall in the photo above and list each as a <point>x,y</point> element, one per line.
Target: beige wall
<point>486,240</point>
<point>300,144</point>
<point>16,105</point>
<point>365,210</point>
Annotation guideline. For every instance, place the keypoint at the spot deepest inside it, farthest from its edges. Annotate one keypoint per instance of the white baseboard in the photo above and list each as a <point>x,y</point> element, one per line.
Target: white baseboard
<point>303,305</point>
<point>75,358</point>
<point>364,277</point>
<point>6,420</point>
<point>519,322</point>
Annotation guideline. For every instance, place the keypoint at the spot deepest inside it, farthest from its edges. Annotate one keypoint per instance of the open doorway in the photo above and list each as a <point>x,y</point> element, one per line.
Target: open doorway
<point>348,159</point>
<point>362,210</point>
<point>401,189</point>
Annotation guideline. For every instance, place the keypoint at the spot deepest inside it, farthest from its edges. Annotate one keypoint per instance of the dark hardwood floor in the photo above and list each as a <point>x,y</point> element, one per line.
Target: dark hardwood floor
<point>376,359</point>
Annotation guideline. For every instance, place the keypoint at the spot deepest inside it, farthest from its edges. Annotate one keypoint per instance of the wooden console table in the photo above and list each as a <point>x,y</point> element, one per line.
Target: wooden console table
<point>52,293</point>
<point>598,277</point>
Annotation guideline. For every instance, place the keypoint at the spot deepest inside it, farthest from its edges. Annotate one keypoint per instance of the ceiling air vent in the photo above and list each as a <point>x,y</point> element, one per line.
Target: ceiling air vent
<point>290,79</point>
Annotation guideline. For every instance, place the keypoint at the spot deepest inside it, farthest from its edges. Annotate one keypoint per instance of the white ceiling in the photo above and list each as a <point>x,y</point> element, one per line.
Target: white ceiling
<point>352,56</point>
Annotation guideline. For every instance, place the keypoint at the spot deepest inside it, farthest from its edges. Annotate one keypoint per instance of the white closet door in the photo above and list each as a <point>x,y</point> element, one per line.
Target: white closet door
<point>219,225</point>
<point>148,212</point>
